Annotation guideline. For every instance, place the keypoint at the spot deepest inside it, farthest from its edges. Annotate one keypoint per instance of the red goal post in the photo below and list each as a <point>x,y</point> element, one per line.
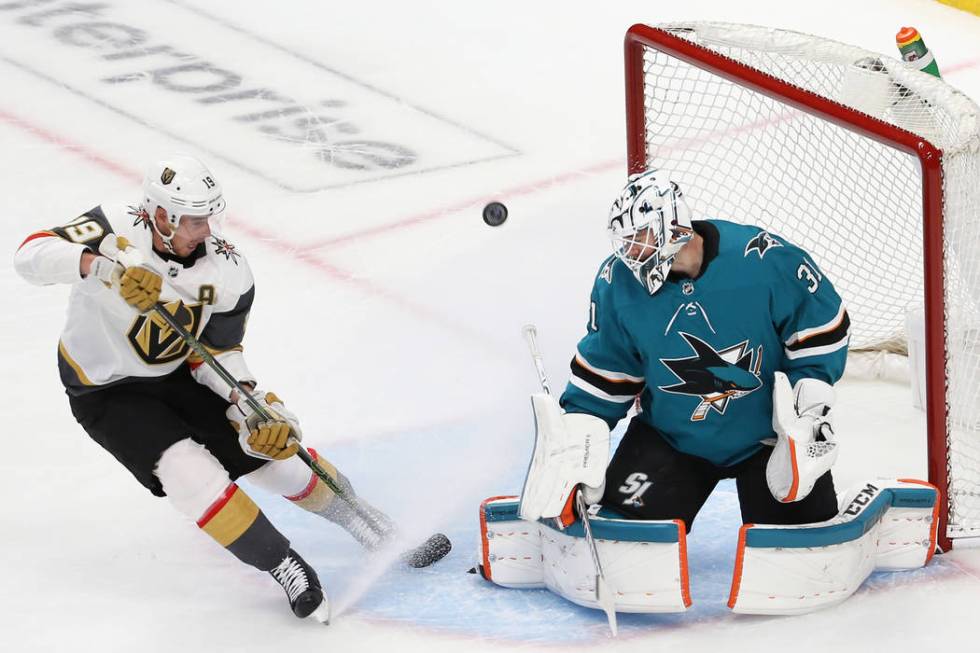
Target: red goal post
<point>871,166</point>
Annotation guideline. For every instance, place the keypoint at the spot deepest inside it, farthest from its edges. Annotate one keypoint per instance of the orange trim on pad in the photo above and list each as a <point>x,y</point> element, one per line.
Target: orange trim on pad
<point>685,577</point>
<point>567,516</point>
<point>934,529</point>
<point>795,487</point>
<point>484,544</point>
<point>739,556</point>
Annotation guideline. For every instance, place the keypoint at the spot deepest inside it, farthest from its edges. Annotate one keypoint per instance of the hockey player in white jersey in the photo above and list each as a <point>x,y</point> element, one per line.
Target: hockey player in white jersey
<point>141,393</point>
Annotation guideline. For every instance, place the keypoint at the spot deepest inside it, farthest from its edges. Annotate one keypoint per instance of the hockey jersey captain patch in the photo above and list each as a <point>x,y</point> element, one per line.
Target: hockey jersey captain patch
<point>715,376</point>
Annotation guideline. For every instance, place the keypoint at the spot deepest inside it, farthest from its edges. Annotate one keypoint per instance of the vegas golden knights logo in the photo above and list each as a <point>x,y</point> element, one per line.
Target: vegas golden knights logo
<point>167,176</point>
<point>153,339</point>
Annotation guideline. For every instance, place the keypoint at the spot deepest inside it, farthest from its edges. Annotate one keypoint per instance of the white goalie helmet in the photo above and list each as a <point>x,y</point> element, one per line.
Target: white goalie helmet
<point>648,224</point>
<point>181,185</point>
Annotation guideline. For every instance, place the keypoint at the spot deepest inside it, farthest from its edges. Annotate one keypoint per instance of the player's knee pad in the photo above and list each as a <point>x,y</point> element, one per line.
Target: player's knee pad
<point>286,477</point>
<point>645,562</point>
<point>295,481</point>
<point>885,525</point>
<point>192,477</point>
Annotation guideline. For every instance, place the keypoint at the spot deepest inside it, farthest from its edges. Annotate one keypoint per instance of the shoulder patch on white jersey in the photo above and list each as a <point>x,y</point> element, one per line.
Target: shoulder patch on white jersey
<point>222,247</point>
<point>140,216</point>
<point>761,243</point>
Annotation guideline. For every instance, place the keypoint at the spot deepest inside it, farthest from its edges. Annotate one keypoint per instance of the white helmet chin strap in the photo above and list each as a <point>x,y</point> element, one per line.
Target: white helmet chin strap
<point>167,240</point>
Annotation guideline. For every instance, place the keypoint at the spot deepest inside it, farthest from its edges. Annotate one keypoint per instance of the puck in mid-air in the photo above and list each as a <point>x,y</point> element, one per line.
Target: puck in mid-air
<point>494,214</point>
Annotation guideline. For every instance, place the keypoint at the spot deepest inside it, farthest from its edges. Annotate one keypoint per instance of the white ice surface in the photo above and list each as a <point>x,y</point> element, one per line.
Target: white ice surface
<point>387,314</point>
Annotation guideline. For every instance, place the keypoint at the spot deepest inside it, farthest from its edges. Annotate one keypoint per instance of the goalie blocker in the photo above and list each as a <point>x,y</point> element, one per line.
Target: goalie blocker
<point>884,525</point>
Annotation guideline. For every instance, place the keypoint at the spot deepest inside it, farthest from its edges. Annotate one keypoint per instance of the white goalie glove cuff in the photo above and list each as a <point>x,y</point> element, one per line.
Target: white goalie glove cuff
<point>805,444</point>
<point>233,361</point>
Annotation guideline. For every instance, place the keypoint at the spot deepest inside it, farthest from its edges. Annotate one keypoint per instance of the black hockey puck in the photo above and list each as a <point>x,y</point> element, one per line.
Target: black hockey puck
<point>495,214</point>
<point>432,550</point>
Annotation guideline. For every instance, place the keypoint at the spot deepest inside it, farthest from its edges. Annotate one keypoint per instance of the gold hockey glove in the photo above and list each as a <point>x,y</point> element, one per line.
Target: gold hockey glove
<point>140,287</point>
<point>275,439</point>
<point>124,268</point>
<point>271,439</point>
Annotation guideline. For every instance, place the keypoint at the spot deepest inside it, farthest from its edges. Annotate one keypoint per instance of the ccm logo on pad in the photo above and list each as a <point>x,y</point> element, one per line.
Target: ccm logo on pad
<point>862,499</point>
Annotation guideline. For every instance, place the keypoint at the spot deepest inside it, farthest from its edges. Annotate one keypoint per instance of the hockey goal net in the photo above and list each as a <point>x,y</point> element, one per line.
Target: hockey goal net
<point>870,165</point>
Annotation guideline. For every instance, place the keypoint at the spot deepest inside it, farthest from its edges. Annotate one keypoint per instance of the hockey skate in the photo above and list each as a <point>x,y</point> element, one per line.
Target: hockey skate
<point>302,587</point>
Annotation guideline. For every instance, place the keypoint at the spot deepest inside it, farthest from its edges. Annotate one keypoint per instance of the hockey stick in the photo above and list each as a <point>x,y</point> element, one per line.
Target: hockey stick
<point>430,551</point>
<point>604,595</point>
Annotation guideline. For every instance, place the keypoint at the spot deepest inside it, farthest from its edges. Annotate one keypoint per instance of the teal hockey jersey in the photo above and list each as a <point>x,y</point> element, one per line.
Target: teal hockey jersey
<point>701,353</point>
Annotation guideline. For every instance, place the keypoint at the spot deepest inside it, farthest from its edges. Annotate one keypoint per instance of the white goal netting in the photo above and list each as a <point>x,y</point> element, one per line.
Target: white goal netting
<point>855,202</point>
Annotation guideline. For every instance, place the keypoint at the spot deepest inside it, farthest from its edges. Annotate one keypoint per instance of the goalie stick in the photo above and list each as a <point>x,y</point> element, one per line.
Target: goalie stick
<point>432,550</point>
<point>604,594</point>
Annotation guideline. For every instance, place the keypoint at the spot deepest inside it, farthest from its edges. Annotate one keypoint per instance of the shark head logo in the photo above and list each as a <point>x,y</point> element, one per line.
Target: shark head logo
<point>761,243</point>
<point>715,376</point>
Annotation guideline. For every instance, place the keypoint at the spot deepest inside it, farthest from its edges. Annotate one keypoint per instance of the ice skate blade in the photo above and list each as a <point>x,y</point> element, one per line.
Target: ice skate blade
<point>322,612</point>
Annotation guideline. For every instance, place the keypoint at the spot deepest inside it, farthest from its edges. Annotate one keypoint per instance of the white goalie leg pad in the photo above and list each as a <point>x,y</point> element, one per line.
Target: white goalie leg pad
<point>644,562</point>
<point>510,547</point>
<point>799,417</point>
<point>569,449</point>
<point>885,524</point>
<point>192,477</point>
<point>287,477</point>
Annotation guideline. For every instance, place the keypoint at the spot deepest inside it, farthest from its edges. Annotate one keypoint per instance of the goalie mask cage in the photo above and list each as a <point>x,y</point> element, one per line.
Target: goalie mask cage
<point>871,166</point>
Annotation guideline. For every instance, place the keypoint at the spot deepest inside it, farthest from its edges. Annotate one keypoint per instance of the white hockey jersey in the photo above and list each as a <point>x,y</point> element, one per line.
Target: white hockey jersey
<point>105,341</point>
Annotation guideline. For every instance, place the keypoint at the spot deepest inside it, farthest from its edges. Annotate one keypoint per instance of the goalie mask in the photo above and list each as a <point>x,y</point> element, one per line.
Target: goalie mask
<point>182,186</point>
<point>648,224</point>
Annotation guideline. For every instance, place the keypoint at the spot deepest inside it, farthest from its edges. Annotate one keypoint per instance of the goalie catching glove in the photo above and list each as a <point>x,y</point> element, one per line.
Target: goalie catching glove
<point>274,439</point>
<point>124,268</point>
<point>805,447</point>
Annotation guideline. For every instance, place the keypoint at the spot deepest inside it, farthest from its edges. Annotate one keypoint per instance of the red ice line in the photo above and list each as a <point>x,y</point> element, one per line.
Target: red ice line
<point>65,144</point>
<point>435,214</point>
<point>307,253</point>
